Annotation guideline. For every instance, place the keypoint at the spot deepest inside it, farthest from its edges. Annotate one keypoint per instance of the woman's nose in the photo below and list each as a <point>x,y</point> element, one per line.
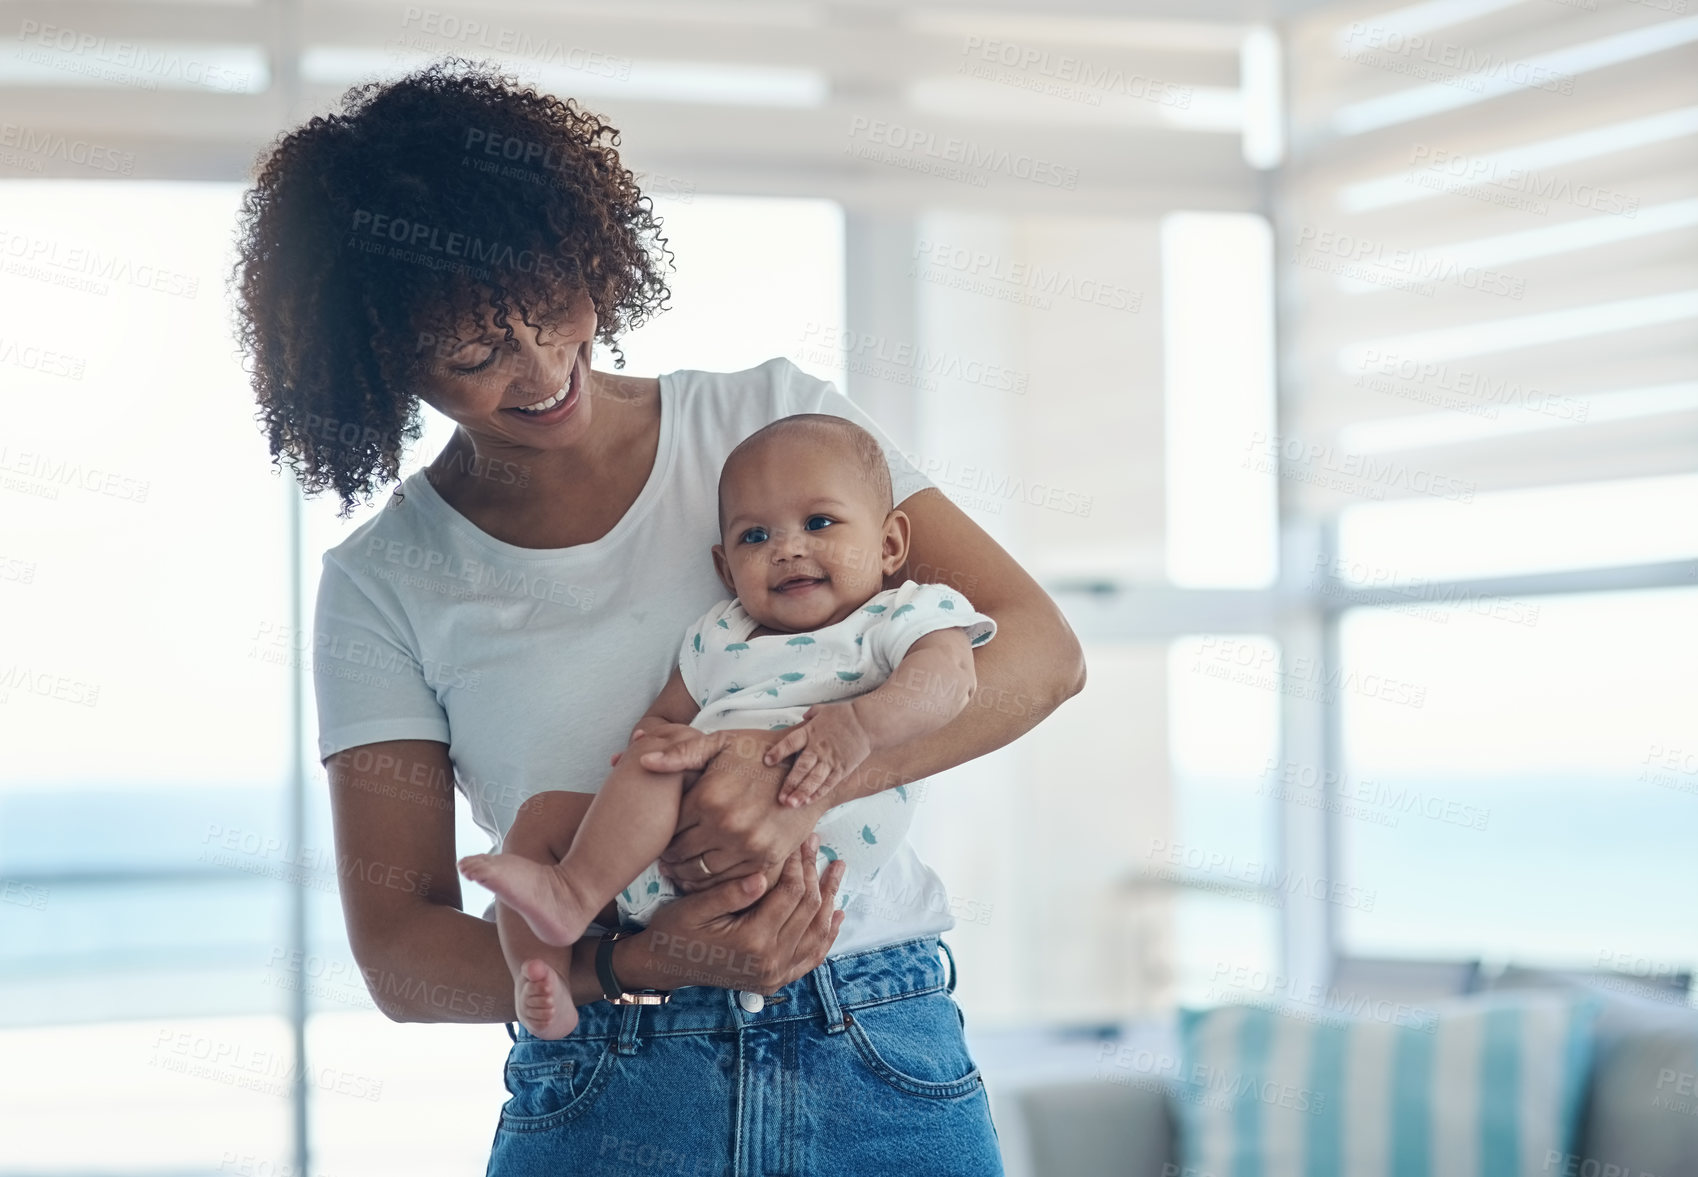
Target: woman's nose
<point>544,367</point>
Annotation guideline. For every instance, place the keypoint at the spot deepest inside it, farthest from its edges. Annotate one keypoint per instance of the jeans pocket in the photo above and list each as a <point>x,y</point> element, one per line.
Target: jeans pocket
<point>915,1045</point>
<point>549,1083</point>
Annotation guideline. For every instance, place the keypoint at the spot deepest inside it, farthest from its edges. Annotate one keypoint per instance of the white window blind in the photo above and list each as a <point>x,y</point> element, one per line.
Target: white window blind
<point>1488,264</point>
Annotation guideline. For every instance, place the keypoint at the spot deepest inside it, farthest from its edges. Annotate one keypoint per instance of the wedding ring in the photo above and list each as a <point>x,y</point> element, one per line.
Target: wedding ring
<point>701,861</point>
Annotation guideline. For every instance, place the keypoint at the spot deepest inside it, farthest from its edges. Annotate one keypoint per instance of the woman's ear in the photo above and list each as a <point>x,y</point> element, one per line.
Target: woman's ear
<point>722,566</point>
<point>893,552</point>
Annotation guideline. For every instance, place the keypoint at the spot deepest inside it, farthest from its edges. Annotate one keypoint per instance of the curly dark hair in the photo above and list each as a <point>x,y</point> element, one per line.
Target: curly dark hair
<point>419,207</point>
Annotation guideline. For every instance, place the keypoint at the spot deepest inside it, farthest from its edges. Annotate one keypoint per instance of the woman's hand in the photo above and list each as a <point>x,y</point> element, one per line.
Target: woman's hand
<point>730,818</point>
<point>703,939</point>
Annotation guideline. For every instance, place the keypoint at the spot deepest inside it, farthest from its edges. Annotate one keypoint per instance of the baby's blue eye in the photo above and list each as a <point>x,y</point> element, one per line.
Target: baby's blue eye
<point>754,535</point>
<point>818,522</point>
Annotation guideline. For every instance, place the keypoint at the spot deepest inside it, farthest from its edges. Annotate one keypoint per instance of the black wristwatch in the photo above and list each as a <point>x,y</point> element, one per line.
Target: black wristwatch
<point>611,989</point>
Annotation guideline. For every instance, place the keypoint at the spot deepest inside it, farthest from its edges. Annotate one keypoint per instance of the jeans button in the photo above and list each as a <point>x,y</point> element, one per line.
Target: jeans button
<point>753,1002</point>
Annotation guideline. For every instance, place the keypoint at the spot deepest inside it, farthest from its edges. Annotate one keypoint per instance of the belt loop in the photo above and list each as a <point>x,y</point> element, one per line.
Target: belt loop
<point>510,1033</point>
<point>951,956</point>
<point>628,1018</point>
<point>828,998</point>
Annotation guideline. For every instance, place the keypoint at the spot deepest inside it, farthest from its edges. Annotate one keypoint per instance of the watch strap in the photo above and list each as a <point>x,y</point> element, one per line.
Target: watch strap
<point>611,989</point>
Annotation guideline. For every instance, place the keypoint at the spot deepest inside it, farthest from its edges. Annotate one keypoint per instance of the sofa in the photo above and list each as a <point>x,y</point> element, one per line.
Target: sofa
<point>1638,1113</point>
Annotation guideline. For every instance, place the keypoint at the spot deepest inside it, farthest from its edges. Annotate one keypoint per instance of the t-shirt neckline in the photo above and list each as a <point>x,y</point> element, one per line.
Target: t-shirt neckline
<point>665,450</point>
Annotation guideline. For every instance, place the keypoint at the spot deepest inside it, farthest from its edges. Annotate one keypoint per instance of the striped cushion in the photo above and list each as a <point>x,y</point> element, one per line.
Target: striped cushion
<point>1483,1087</point>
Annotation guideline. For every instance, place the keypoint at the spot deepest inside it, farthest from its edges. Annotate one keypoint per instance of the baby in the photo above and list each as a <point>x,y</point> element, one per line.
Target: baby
<point>811,643</point>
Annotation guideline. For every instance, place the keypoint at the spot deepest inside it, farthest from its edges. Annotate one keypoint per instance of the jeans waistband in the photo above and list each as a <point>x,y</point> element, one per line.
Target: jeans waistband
<point>847,982</point>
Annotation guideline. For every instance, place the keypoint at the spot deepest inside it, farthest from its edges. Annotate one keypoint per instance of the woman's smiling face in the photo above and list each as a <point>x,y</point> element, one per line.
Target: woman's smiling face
<point>532,393</point>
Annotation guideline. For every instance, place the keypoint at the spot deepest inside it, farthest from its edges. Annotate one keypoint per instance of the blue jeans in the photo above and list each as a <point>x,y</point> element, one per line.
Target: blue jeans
<point>860,1067</point>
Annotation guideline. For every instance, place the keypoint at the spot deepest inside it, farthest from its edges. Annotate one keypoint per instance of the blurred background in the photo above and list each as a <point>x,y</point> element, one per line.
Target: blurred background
<point>1334,366</point>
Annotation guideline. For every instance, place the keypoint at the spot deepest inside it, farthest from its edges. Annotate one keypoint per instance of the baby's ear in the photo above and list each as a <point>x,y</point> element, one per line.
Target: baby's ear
<point>894,551</point>
<point>723,566</point>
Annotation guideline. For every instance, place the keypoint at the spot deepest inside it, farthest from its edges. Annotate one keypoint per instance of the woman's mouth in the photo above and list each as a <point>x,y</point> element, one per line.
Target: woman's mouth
<point>553,408</point>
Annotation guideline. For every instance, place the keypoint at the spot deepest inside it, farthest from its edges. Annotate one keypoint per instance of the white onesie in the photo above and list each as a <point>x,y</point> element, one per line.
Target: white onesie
<point>769,681</point>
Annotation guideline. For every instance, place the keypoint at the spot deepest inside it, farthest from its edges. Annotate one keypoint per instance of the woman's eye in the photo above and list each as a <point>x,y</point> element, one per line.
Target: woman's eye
<point>493,352</point>
<point>818,522</point>
<point>755,535</point>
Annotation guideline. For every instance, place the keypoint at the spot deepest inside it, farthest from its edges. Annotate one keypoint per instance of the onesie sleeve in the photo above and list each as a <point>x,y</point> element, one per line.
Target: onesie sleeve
<point>799,392</point>
<point>912,611</point>
<point>367,679</point>
<point>701,640</point>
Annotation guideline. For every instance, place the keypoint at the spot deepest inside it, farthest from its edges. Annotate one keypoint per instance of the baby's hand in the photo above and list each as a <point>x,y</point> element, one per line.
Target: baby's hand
<point>672,733</point>
<point>830,743</point>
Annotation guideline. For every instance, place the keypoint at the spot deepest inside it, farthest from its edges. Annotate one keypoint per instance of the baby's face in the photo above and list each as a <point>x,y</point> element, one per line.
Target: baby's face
<point>805,544</point>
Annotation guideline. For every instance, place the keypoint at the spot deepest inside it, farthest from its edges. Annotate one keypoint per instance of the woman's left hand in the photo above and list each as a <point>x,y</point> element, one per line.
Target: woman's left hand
<point>730,818</point>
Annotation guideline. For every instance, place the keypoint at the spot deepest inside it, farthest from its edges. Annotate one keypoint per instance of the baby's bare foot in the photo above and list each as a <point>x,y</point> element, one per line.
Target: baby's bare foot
<point>543,1002</point>
<point>537,892</point>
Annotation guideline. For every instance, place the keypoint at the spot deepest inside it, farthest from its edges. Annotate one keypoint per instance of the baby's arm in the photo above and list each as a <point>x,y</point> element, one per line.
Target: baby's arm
<point>928,688</point>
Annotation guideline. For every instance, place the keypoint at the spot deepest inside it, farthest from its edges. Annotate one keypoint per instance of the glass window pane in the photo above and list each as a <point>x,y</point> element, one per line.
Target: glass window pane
<point>1588,525</point>
<point>1552,764</point>
<point>145,710</point>
<point>1217,340</point>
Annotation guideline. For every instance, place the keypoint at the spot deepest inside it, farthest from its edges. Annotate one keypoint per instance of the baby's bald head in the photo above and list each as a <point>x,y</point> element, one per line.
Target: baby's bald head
<point>817,439</point>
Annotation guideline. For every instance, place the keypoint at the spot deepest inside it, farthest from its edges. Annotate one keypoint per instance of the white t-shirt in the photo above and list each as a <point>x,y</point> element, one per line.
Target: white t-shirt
<point>533,665</point>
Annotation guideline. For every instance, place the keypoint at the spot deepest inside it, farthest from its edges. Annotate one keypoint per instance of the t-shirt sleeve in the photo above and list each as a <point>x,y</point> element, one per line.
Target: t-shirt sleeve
<point>699,642</point>
<point>799,392</point>
<point>367,679</point>
<point>914,610</point>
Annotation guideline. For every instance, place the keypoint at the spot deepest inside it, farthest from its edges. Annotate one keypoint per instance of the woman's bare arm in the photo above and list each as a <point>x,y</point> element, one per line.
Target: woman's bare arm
<point>425,960</point>
<point>1032,666</point>
<point>422,957</point>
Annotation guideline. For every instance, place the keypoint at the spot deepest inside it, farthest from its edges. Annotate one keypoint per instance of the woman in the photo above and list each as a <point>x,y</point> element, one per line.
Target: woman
<point>456,239</point>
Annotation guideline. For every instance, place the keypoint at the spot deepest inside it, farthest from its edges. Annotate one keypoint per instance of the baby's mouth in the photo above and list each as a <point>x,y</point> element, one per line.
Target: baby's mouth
<point>795,583</point>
